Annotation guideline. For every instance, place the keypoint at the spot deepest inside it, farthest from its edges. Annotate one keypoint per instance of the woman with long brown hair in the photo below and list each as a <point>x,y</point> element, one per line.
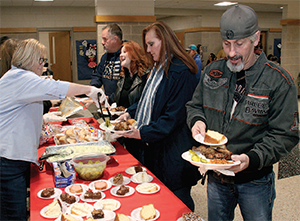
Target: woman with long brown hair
<point>135,67</point>
<point>162,134</point>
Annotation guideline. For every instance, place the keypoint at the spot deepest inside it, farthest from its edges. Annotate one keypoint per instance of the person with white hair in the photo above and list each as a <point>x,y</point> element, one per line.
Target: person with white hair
<point>253,102</point>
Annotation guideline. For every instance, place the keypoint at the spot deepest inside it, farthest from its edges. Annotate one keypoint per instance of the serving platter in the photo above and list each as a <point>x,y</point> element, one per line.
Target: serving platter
<point>101,146</point>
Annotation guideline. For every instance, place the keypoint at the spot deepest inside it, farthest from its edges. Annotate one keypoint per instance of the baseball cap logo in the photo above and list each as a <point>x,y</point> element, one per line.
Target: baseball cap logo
<point>229,34</point>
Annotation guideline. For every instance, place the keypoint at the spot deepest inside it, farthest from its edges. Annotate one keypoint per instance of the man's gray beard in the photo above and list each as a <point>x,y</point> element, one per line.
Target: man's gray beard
<point>235,68</point>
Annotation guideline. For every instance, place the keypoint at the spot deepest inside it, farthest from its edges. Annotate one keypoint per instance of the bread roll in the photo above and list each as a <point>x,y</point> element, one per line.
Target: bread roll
<point>213,137</point>
<point>148,212</point>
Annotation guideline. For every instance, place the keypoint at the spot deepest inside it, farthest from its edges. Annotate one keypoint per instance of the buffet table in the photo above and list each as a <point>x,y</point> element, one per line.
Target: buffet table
<point>169,206</point>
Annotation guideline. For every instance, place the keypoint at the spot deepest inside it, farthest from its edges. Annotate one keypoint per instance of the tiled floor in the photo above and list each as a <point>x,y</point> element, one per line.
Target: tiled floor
<point>286,206</point>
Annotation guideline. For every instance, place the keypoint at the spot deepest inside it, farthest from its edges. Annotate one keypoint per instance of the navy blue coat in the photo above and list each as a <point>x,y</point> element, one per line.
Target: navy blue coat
<point>107,73</point>
<point>167,134</point>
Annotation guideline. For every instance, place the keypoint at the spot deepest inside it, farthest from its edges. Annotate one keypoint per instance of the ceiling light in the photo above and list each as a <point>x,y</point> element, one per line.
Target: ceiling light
<point>43,0</point>
<point>225,3</point>
<point>281,7</point>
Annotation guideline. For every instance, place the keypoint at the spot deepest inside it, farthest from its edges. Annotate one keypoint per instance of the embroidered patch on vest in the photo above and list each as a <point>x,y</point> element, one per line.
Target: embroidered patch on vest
<point>216,73</point>
<point>213,84</point>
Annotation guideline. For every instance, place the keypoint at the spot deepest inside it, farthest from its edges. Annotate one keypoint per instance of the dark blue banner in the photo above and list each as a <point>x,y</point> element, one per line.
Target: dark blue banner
<point>86,51</point>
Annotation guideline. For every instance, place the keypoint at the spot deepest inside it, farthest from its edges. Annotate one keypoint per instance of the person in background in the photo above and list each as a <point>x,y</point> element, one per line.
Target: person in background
<point>200,52</point>
<point>47,71</point>
<point>21,117</point>
<point>192,51</point>
<point>133,77</point>
<point>211,58</point>
<point>269,57</point>
<point>109,68</point>
<point>253,102</point>
<point>220,54</point>
<point>7,49</point>
<point>162,134</point>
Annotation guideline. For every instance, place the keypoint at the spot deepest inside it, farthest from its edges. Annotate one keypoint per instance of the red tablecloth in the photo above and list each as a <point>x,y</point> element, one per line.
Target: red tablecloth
<point>169,206</point>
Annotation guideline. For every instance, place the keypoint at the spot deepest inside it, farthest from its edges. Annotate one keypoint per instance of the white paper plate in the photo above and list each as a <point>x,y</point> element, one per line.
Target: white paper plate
<point>139,189</point>
<point>105,128</point>
<point>133,178</point>
<point>67,204</point>
<point>209,166</point>
<point>136,214</point>
<point>131,171</point>
<point>101,204</point>
<point>114,190</point>
<point>89,206</point>
<point>78,218</point>
<point>200,138</point>
<point>126,180</point>
<point>42,212</point>
<point>57,192</point>
<point>83,186</point>
<point>92,200</point>
<point>108,216</point>
<point>92,185</point>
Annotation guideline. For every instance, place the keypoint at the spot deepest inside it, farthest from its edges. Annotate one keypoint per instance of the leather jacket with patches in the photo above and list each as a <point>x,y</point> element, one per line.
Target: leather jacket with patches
<point>263,125</point>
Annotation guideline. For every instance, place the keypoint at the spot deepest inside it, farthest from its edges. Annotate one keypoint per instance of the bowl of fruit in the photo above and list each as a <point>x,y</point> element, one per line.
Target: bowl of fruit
<point>90,166</point>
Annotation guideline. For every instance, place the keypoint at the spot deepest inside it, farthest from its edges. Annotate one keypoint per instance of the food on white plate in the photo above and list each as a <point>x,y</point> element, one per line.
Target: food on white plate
<point>81,209</point>
<point>90,219</point>
<point>67,217</point>
<point>100,185</point>
<point>217,152</point>
<point>147,187</point>
<point>108,204</point>
<point>54,209</point>
<point>213,137</point>
<point>65,197</point>
<point>124,125</point>
<point>76,188</point>
<point>47,192</point>
<point>148,212</point>
<point>116,109</point>
<point>141,177</point>
<point>138,169</point>
<point>118,179</point>
<point>97,214</point>
<point>92,195</point>
<point>121,217</point>
<point>122,190</point>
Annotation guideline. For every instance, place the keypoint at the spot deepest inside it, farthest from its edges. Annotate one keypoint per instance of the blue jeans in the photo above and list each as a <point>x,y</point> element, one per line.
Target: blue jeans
<point>255,198</point>
<point>13,177</point>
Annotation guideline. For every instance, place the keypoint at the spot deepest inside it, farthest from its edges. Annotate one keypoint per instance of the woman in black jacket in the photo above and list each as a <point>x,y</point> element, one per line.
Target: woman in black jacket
<point>133,75</point>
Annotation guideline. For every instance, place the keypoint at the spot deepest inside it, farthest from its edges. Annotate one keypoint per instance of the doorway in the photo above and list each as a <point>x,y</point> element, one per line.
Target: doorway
<point>60,55</point>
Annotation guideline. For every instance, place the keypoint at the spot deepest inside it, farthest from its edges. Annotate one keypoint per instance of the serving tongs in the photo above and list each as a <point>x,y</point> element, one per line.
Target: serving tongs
<point>101,111</point>
<point>47,155</point>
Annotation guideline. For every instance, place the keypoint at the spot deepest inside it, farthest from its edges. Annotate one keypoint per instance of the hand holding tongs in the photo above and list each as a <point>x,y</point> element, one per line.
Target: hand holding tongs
<point>108,112</point>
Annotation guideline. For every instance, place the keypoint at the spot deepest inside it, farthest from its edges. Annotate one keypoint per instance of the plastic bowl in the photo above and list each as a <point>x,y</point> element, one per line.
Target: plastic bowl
<point>89,166</point>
